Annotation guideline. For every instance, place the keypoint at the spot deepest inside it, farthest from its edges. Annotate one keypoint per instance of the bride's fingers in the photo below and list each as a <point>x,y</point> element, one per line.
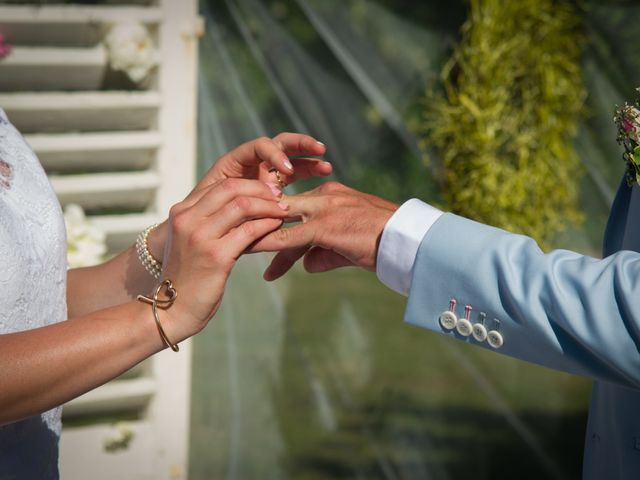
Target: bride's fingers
<point>240,210</point>
<point>273,152</point>
<point>234,243</point>
<point>282,262</point>
<point>296,144</point>
<point>303,168</point>
<point>244,161</point>
<point>210,199</point>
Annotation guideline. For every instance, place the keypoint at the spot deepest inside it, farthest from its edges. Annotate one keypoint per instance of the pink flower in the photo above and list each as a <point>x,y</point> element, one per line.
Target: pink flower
<point>631,123</point>
<point>627,119</point>
<point>628,126</point>
<point>5,48</point>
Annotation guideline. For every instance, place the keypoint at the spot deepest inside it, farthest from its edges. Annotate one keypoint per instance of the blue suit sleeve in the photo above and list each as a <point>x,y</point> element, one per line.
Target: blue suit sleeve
<point>560,309</point>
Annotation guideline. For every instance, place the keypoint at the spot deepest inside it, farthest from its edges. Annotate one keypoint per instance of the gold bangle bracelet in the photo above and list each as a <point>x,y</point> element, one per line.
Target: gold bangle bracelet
<point>156,303</point>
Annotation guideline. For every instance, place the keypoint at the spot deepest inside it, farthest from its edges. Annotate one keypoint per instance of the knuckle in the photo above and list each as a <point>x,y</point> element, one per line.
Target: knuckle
<point>277,237</point>
<point>248,229</point>
<point>196,239</point>
<point>263,141</point>
<point>230,184</point>
<point>280,136</point>
<point>330,187</point>
<point>283,235</point>
<point>179,222</point>
<point>241,204</point>
<point>334,202</point>
<point>214,256</point>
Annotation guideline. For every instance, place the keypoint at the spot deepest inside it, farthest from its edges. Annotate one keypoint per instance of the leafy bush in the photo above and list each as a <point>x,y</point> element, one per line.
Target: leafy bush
<point>504,125</point>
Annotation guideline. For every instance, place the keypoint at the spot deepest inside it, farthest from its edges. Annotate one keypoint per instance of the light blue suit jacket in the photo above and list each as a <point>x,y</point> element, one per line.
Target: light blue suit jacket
<point>563,310</point>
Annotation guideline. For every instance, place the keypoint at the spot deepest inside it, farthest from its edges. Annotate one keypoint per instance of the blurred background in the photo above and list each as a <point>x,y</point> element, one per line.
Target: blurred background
<point>497,110</point>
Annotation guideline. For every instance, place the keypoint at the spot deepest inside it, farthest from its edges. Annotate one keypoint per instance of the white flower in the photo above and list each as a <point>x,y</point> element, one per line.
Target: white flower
<point>85,243</point>
<point>130,49</point>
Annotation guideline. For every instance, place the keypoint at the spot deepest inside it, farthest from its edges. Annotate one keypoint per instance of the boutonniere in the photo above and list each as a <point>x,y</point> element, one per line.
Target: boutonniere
<point>627,118</point>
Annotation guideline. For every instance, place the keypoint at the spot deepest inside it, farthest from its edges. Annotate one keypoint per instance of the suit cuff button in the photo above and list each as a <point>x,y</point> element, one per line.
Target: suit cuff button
<point>494,338</point>
<point>464,327</point>
<point>479,332</point>
<point>448,320</point>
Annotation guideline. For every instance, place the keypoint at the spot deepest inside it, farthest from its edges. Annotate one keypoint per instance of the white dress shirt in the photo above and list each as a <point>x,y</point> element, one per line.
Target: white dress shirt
<point>399,243</point>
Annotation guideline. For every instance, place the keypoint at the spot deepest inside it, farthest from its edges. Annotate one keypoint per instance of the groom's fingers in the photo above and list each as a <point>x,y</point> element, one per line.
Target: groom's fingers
<point>298,236</point>
<point>282,262</point>
<point>318,260</point>
<point>303,205</point>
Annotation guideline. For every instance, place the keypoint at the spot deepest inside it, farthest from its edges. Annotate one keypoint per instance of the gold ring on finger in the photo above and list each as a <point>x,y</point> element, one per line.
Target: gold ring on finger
<point>279,179</point>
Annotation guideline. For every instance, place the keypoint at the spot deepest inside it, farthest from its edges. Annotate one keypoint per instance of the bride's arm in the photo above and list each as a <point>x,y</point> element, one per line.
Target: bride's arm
<point>206,233</point>
<point>48,366</point>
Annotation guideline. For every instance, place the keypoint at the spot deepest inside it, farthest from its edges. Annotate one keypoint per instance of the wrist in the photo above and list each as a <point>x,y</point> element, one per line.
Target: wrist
<point>168,323</point>
<point>399,243</point>
<point>383,218</point>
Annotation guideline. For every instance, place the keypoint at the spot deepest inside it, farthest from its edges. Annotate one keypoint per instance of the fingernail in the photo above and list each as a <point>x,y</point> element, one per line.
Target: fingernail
<point>288,164</point>
<point>275,189</point>
<point>320,143</point>
<point>283,206</point>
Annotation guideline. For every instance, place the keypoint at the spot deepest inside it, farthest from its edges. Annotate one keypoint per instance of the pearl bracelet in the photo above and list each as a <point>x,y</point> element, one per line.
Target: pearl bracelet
<point>149,262</point>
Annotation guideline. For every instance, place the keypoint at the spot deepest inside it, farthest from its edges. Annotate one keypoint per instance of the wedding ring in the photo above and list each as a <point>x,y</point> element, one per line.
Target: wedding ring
<point>281,182</point>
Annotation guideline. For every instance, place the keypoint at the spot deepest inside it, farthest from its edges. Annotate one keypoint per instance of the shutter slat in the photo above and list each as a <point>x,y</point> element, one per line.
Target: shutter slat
<point>95,151</point>
<point>81,111</point>
<point>130,191</point>
<point>77,14</point>
<point>43,68</point>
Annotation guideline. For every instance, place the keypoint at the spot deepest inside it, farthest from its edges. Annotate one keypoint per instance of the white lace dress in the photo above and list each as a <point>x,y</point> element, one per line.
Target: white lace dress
<point>32,290</point>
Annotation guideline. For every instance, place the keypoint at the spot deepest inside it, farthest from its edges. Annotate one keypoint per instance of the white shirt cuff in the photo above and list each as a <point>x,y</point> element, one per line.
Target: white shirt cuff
<point>400,241</point>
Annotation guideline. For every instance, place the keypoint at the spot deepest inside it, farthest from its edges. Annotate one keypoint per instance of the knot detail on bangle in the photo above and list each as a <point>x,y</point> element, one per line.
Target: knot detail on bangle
<point>170,294</point>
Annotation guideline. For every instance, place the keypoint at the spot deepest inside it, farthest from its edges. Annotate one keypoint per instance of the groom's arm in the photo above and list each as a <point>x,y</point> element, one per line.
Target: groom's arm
<point>562,310</point>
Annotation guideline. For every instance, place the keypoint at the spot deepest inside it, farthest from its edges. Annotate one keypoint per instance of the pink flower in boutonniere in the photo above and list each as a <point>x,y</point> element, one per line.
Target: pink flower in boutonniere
<point>627,118</point>
<point>5,48</point>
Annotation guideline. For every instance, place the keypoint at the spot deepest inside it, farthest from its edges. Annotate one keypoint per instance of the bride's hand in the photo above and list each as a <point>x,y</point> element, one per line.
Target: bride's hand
<point>256,159</point>
<point>206,234</point>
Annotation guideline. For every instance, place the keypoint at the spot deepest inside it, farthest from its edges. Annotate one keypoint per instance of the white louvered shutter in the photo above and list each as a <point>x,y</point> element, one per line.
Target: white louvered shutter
<point>126,153</point>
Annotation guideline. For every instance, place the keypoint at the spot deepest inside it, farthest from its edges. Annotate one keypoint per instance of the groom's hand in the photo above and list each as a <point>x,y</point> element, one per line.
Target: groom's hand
<point>340,227</point>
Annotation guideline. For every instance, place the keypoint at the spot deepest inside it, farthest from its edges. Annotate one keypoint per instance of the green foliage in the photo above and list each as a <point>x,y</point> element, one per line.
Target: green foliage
<point>504,126</point>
